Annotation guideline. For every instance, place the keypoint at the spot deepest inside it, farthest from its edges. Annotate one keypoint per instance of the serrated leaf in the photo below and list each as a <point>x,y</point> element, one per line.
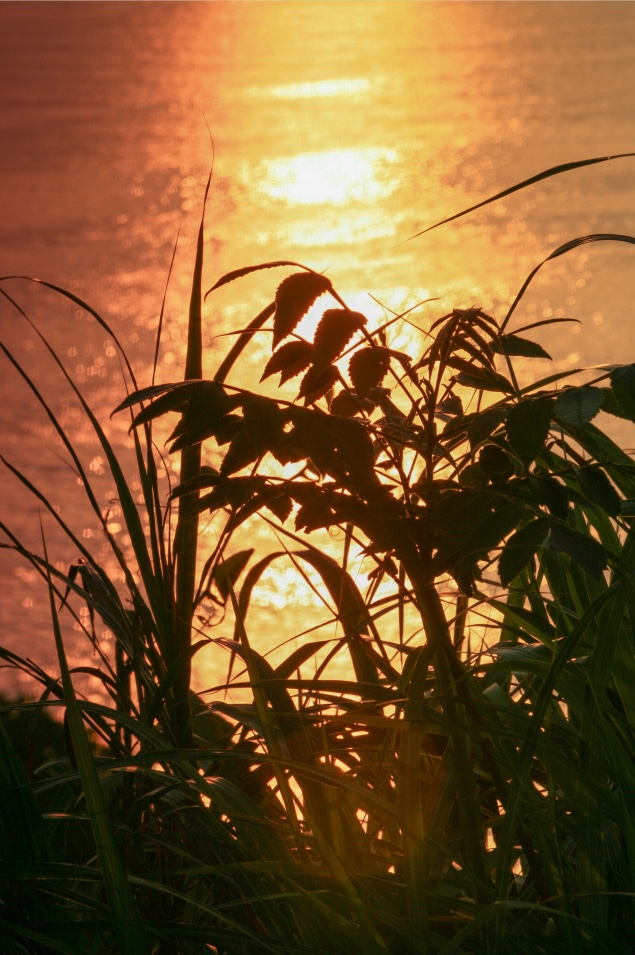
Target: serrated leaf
<point>514,345</point>
<point>623,385</point>
<point>346,405</point>
<point>334,330</point>
<point>520,548</point>
<point>263,422</point>
<point>581,548</point>
<point>527,425</point>
<point>317,382</point>
<point>611,405</point>
<point>596,486</point>
<point>367,369</point>
<point>279,504</point>
<point>294,297</point>
<point>550,492</point>
<point>239,273</point>
<point>240,453</point>
<point>578,406</point>
<point>291,358</point>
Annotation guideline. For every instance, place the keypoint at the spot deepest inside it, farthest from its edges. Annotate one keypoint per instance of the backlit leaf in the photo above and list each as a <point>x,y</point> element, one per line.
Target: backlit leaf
<point>482,379</point>
<point>367,369</point>
<point>317,382</point>
<point>264,422</point>
<point>291,358</point>
<point>294,297</point>
<point>240,453</point>
<point>514,345</point>
<point>335,329</point>
<point>577,406</point>
<point>346,405</point>
<point>527,426</point>
<point>623,384</point>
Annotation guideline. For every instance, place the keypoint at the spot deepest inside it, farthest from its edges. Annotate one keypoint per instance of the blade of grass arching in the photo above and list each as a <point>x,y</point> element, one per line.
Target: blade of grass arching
<point>125,917</point>
<point>129,510</point>
<point>186,535</point>
<point>561,250</point>
<point>77,301</point>
<point>546,174</point>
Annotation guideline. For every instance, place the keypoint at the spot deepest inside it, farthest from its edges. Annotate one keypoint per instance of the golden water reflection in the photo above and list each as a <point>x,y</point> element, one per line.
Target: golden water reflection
<point>334,176</point>
<point>339,131</point>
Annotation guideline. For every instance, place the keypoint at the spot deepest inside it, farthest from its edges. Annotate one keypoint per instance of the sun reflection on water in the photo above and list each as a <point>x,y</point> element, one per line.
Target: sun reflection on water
<point>332,176</point>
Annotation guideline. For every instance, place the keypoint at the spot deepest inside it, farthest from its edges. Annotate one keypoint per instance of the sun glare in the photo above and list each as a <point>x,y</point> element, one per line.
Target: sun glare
<point>335,176</point>
<point>356,86</point>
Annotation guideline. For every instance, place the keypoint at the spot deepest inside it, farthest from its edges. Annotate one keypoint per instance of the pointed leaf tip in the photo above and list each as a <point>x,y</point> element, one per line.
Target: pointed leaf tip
<point>294,297</point>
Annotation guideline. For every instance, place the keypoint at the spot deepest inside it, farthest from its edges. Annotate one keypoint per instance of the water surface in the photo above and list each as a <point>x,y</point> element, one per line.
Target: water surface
<point>339,130</point>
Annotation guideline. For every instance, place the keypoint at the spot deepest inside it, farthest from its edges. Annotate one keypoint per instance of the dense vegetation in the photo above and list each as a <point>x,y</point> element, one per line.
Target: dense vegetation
<point>447,795</point>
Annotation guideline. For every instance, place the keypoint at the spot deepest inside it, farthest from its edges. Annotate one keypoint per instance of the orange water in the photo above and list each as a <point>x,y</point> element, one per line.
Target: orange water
<point>340,130</point>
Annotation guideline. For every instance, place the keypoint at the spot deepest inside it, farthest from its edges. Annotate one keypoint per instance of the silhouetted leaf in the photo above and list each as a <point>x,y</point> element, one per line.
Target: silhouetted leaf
<point>450,406</point>
<point>291,358</point>
<point>277,502</point>
<point>495,463</point>
<point>483,379</point>
<point>520,548</point>
<point>228,571</point>
<point>294,297</point>
<point>483,425</point>
<point>174,400</point>
<point>577,406</point>
<point>547,490</point>
<point>264,422</point>
<point>472,476</point>
<point>346,405</point>
<point>581,548</point>
<point>514,345</point>
<point>317,382</point>
<point>208,406</point>
<point>208,477</point>
<point>238,273</point>
<point>611,405</point>
<point>340,447</point>
<point>334,330</point>
<point>595,485</point>
<point>367,369</point>
<point>527,426</point>
<point>240,453</point>
<point>623,385</point>
<point>145,394</point>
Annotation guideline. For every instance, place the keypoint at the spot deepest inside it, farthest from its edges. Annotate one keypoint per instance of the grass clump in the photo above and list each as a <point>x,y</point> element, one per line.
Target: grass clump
<point>441,795</point>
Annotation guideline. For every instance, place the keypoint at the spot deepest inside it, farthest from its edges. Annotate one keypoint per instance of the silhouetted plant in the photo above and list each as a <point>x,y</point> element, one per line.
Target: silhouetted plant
<point>439,798</point>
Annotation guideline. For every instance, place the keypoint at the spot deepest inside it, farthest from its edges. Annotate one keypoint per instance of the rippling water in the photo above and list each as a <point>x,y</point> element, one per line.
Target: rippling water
<point>340,130</point>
